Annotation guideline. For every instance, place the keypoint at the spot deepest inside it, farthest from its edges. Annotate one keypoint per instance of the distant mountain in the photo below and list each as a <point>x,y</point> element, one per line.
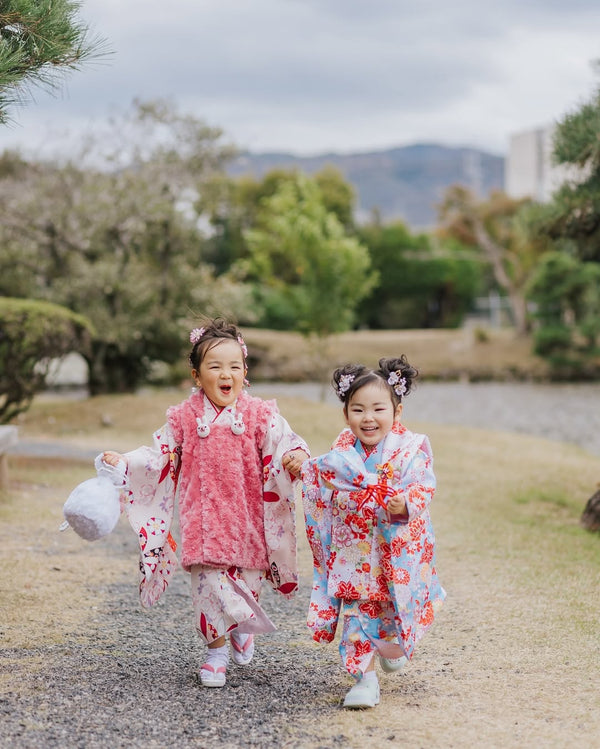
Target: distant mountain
<point>401,183</point>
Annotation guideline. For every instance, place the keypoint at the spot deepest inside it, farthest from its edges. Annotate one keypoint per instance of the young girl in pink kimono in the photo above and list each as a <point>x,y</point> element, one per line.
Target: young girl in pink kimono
<point>233,460</point>
<point>366,504</point>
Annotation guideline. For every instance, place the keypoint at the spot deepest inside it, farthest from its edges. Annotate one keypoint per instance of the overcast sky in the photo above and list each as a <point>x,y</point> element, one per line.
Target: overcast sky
<point>314,76</point>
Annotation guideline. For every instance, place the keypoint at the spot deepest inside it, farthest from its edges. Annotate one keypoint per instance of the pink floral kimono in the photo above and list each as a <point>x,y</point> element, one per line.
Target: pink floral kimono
<point>236,505</point>
<point>375,570</point>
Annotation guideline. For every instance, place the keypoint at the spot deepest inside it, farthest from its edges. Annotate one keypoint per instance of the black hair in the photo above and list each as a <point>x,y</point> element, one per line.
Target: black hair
<point>348,379</point>
<point>209,335</point>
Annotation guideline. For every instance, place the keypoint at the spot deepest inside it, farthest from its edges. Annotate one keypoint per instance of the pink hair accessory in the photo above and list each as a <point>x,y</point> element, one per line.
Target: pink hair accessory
<point>344,384</point>
<point>240,340</point>
<point>397,382</point>
<point>196,335</point>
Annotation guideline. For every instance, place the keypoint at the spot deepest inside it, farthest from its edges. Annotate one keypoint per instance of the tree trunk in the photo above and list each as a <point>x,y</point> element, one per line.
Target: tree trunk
<point>590,518</point>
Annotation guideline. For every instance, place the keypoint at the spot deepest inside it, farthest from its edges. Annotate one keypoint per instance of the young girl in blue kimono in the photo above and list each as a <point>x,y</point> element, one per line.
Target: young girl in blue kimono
<point>366,505</point>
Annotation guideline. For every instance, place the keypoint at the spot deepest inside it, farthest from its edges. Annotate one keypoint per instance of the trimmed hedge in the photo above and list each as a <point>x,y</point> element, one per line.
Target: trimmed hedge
<point>32,333</point>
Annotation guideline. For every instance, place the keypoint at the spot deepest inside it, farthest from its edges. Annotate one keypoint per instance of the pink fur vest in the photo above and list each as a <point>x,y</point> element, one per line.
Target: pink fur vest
<point>221,485</point>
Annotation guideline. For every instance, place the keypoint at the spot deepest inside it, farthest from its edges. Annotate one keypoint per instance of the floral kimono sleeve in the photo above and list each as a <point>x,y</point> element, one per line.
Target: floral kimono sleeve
<point>149,504</point>
<point>279,505</point>
<point>323,610</point>
<point>417,486</point>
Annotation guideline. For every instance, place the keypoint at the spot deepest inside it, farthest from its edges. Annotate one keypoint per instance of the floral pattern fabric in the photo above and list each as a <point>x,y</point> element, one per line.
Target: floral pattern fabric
<point>368,628</point>
<point>149,502</point>
<point>362,553</point>
<point>227,599</point>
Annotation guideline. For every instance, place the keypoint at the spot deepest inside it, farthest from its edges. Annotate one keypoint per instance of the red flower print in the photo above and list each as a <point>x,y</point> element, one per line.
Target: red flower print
<point>310,532</point>
<point>327,614</point>
<point>365,567</point>
<point>371,609</point>
<point>352,665</point>
<point>362,648</point>
<point>322,635</point>
<point>357,525</point>
<point>331,560</point>
<point>368,514</point>
<point>397,428</point>
<point>345,441</point>
<point>401,577</point>
<point>397,545</point>
<point>417,528</point>
<point>328,475</point>
<point>386,551</point>
<point>388,569</point>
<point>358,479</point>
<point>427,614</point>
<point>347,591</point>
<point>427,552</point>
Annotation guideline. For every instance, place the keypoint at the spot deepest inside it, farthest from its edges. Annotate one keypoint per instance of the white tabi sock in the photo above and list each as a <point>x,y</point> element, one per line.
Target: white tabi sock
<point>218,656</point>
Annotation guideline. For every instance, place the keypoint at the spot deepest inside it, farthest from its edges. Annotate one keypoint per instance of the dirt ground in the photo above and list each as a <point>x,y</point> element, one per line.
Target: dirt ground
<point>513,659</point>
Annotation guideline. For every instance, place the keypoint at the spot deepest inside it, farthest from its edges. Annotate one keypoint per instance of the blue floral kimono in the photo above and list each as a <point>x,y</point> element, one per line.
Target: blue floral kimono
<point>368,563</point>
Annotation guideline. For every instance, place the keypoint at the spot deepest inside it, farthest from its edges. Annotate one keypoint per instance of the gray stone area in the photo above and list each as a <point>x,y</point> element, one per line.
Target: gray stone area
<point>565,413</point>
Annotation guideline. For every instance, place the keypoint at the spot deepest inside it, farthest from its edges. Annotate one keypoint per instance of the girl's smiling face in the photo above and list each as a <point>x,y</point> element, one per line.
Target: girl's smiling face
<point>222,371</point>
<point>370,413</point>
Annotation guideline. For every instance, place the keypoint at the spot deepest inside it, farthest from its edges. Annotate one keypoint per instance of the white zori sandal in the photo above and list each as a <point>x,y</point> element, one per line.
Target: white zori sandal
<point>242,648</point>
<point>390,665</point>
<point>214,671</point>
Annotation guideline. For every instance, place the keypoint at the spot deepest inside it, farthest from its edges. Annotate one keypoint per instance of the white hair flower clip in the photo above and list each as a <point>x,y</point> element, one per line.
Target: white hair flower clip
<point>344,384</point>
<point>196,335</point>
<point>397,382</point>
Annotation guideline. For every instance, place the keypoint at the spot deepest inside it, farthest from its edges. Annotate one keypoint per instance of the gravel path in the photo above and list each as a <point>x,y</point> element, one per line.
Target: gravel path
<point>129,679</point>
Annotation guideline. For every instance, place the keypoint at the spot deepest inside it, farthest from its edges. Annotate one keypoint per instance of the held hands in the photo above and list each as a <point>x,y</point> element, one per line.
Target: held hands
<point>293,460</point>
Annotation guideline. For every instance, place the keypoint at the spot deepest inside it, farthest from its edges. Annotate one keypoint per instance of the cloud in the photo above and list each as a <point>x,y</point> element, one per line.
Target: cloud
<point>315,75</point>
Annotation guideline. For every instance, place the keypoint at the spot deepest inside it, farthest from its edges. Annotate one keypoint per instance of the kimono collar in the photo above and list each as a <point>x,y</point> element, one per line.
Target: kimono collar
<point>374,458</point>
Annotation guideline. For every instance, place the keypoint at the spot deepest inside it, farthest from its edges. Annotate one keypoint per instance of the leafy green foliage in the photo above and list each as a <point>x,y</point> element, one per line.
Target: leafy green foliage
<point>567,296</point>
<point>120,244</point>
<point>302,261</point>
<point>31,335</point>
<point>566,287</point>
<point>235,204</point>
<point>421,284</point>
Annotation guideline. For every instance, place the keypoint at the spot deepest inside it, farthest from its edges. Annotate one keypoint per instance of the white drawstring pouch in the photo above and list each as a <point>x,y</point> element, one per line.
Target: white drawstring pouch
<point>93,508</point>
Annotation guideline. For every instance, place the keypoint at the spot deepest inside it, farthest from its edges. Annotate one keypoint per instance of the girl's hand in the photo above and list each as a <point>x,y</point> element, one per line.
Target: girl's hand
<point>111,458</point>
<point>293,460</point>
<point>397,505</point>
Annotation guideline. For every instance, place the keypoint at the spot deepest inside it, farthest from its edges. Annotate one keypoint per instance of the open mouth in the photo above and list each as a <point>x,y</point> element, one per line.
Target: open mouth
<point>225,389</point>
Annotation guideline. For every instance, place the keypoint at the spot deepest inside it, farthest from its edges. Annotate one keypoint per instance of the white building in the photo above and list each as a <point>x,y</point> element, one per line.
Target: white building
<point>529,171</point>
